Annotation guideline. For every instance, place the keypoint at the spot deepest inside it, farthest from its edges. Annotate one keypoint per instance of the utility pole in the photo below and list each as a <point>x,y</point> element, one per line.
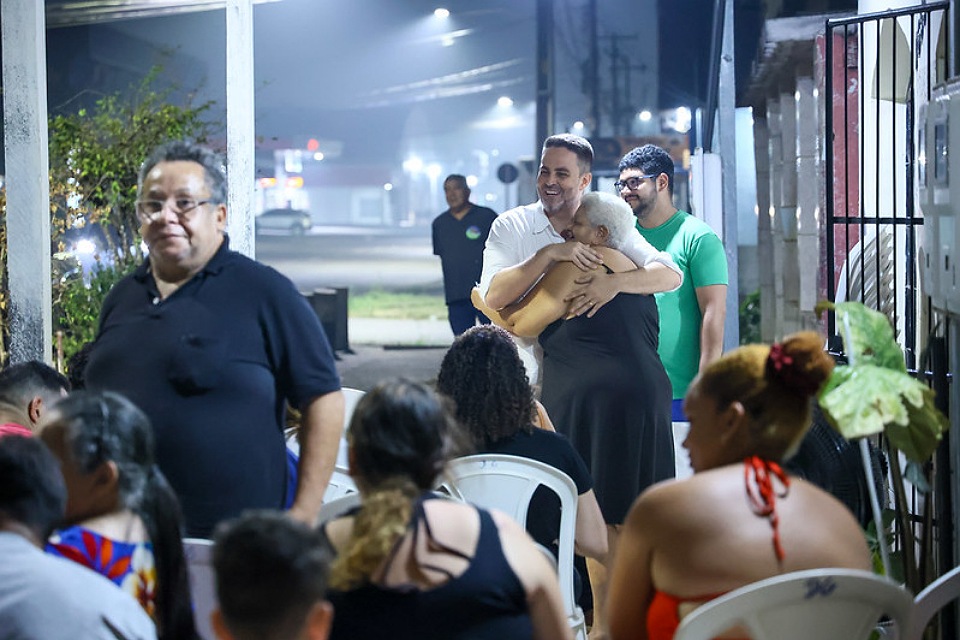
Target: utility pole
<point>545,87</point>
<point>619,64</point>
<point>594,69</point>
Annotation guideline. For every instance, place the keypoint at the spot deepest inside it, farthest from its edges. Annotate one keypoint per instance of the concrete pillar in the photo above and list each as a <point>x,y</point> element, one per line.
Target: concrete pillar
<point>808,198</point>
<point>727,125</point>
<point>761,145</point>
<point>775,154</point>
<point>27,182</point>
<point>240,127</point>
<point>788,214</point>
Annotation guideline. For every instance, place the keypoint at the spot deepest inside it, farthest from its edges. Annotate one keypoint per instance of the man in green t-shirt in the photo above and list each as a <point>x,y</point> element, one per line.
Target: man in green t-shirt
<point>691,317</point>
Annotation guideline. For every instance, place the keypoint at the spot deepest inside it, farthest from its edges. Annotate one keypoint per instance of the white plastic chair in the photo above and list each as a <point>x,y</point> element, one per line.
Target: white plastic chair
<point>827,604</point>
<point>936,596</point>
<point>507,483</point>
<point>340,482</point>
<point>337,507</point>
<point>203,588</point>
<point>350,399</point>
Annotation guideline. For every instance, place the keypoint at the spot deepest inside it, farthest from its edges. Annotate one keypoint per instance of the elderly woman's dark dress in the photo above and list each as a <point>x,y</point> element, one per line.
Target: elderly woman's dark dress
<point>606,390</point>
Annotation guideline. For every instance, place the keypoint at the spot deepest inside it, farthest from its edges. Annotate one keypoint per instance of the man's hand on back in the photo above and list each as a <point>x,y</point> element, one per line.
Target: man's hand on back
<point>582,255</point>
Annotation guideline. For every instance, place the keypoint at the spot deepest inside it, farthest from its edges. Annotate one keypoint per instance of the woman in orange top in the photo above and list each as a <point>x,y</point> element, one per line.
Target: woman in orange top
<point>739,518</point>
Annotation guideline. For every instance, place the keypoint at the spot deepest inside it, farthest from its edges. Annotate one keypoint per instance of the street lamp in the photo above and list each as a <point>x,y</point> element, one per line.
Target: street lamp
<point>441,13</point>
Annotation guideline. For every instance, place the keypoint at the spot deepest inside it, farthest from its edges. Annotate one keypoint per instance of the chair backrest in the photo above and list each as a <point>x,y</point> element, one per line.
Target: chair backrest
<point>827,604</point>
<point>203,587</point>
<point>340,482</point>
<point>507,483</point>
<point>338,506</point>
<point>936,596</point>
<point>350,399</point>
<point>340,485</point>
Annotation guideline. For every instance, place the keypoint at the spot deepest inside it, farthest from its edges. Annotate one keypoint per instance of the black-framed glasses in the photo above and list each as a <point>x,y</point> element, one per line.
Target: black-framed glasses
<point>151,210</point>
<point>633,182</point>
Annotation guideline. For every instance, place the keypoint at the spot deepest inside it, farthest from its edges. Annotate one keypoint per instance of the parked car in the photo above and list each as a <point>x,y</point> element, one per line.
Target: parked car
<point>293,221</point>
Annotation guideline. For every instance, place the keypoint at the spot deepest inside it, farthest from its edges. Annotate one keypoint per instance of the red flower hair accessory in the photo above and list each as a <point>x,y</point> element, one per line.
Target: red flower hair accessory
<point>784,369</point>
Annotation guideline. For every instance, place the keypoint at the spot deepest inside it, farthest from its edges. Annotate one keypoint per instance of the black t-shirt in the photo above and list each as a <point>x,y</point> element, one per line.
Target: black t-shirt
<point>459,243</point>
<point>543,516</point>
<point>212,366</point>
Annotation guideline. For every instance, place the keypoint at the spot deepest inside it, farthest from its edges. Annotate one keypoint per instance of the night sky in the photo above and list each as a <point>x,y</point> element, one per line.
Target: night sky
<point>685,38</point>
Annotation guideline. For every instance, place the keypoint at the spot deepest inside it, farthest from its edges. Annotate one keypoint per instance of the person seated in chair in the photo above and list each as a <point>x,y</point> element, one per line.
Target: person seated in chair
<point>739,518</point>
<point>27,390</point>
<point>483,374</point>
<point>122,518</point>
<point>414,565</point>
<point>271,579</point>
<point>42,596</point>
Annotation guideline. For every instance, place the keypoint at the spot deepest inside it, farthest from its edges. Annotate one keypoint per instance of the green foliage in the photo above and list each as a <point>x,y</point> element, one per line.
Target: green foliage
<point>873,542</point>
<point>78,307</point>
<point>875,393</point>
<point>378,303</point>
<point>750,319</point>
<point>95,156</point>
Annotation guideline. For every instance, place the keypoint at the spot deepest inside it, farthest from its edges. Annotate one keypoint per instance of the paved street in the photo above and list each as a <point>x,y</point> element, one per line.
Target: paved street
<point>363,258</point>
<point>357,257</point>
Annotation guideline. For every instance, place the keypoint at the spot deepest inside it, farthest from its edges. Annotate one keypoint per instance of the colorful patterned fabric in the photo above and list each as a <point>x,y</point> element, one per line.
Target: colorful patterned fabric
<point>130,565</point>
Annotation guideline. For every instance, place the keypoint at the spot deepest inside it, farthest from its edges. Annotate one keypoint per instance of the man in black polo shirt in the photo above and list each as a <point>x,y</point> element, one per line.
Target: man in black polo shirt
<point>212,345</point>
<point>459,234</point>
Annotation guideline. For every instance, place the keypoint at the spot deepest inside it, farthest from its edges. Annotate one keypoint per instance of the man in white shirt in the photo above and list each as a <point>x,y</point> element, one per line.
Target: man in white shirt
<point>526,241</point>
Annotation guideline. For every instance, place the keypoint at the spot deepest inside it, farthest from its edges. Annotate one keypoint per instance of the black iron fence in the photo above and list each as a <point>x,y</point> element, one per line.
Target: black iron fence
<point>878,69</point>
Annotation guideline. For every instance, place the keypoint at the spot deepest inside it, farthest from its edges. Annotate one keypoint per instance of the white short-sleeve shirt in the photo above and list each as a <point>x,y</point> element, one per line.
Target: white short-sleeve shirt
<point>519,233</point>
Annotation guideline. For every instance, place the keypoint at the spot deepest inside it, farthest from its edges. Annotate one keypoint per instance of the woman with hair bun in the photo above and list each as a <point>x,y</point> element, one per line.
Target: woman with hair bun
<point>122,518</point>
<point>739,518</point>
<point>413,565</point>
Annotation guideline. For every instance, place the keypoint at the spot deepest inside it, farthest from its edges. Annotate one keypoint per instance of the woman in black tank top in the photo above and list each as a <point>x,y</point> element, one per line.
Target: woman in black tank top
<point>411,565</point>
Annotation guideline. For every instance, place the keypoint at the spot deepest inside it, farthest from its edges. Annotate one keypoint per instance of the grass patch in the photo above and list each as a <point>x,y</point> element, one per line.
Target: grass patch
<point>397,306</point>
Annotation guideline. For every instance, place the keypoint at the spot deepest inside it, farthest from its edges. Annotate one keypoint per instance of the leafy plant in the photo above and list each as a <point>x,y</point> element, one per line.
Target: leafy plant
<point>750,319</point>
<point>78,307</point>
<point>874,394</point>
<point>95,156</point>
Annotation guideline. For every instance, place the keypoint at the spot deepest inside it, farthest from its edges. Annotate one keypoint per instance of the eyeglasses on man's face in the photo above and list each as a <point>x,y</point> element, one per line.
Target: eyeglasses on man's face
<point>151,210</point>
<point>632,182</point>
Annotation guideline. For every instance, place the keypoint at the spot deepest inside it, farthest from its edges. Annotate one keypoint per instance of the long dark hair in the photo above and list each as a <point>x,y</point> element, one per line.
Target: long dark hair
<point>401,436</point>
<point>106,427</point>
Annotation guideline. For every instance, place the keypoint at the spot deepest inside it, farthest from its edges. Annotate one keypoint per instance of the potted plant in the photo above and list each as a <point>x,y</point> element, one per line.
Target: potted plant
<point>874,394</point>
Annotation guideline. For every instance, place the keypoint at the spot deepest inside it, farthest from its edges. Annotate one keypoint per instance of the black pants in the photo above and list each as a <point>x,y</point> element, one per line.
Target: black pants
<point>463,315</point>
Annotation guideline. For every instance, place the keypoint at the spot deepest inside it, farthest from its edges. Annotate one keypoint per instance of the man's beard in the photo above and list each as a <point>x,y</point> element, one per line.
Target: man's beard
<point>642,210</point>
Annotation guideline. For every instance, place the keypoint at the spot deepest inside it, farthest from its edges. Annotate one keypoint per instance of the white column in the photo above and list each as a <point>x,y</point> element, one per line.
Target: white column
<point>776,228</point>
<point>27,182</point>
<point>788,214</point>
<point>240,126</point>
<point>808,196</point>
<point>727,130</point>
<point>761,145</point>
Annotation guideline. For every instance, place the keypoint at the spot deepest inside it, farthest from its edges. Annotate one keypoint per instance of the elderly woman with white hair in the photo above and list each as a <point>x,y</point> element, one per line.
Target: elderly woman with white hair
<point>603,383</point>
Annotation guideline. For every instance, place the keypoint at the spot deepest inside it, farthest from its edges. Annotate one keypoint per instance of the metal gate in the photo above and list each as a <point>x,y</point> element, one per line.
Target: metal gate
<point>878,69</point>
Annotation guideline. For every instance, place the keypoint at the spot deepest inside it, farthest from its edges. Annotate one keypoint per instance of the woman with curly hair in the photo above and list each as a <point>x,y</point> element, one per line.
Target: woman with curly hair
<point>412,565</point>
<point>739,518</point>
<point>483,374</point>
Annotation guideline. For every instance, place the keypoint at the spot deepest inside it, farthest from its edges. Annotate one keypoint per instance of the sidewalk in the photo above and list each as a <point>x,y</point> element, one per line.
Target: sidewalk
<point>383,349</point>
<point>418,333</point>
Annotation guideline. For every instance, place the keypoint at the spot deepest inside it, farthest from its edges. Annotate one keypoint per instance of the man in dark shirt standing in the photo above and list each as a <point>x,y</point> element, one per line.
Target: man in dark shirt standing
<point>212,346</point>
<point>459,235</point>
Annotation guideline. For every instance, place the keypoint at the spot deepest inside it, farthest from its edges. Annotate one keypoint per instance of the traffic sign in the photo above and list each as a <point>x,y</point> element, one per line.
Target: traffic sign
<point>508,173</point>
